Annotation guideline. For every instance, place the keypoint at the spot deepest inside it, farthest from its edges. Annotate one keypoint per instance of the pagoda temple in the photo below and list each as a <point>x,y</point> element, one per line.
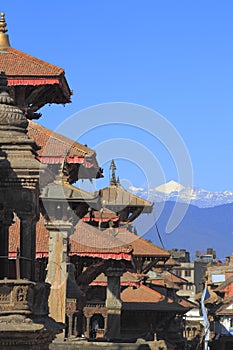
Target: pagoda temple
<point>54,234</point>
<point>32,82</point>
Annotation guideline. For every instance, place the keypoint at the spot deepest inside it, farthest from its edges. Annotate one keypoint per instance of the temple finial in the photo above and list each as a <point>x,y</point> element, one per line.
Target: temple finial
<point>4,38</point>
<point>3,23</point>
<point>113,178</point>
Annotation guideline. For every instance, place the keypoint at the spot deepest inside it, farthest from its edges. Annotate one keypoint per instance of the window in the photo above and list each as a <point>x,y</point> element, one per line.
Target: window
<point>189,287</point>
<point>178,273</point>
<point>187,273</point>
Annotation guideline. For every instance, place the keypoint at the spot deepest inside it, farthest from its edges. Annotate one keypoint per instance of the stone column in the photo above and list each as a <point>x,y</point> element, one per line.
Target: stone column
<point>27,246</point>
<point>59,232</point>
<point>113,302</point>
<point>6,219</point>
<point>4,265</point>
<point>88,318</point>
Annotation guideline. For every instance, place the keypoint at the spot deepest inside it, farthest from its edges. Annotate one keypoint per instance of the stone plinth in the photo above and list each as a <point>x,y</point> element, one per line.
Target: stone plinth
<point>24,321</point>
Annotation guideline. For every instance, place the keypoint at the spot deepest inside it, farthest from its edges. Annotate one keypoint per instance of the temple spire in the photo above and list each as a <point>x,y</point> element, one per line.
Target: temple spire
<point>4,38</point>
<point>113,181</point>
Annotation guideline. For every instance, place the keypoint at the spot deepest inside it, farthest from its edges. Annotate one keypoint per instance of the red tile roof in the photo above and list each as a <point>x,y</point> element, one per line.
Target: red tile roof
<point>169,279</point>
<point>23,69</point>
<point>86,241</point>
<point>89,241</point>
<point>42,239</point>
<point>145,298</point>
<point>141,247</point>
<point>142,294</point>
<point>56,148</point>
<point>56,145</point>
<point>225,286</point>
<point>127,279</point>
<point>169,262</point>
<point>16,63</point>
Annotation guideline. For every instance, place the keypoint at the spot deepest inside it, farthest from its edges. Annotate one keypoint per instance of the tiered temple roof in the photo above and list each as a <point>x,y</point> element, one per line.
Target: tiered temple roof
<point>32,82</point>
<point>87,241</point>
<point>80,161</point>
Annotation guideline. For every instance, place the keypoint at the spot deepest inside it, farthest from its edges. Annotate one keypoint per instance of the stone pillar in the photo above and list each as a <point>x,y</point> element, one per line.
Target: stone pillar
<point>88,318</point>
<point>70,311</point>
<point>27,247</point>
<point>4,265</point>
<point>113,302</point>
<point>59,232</point>
<point>6,219</point>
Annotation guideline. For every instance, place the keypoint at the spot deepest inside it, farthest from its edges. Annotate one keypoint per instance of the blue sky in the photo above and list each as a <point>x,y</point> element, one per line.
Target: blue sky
<point>175,57</point>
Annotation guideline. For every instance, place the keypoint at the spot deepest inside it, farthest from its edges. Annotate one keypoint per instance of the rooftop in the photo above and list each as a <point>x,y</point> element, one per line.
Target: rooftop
<point>86,241</point>
<point>127,279</point>
<point>145,298</point>
<point>59,149</point>
<point>42,82</point>
<point>89,241</point>
<point>116,196</point>
<point>141,247</point>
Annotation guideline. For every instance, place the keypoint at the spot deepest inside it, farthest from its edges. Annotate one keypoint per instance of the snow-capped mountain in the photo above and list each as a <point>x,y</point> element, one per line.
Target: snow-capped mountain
<point>173,191</point>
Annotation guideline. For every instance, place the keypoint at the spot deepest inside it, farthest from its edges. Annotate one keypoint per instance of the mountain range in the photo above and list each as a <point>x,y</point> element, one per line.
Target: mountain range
<point>174,191</point>
<point>207,220</point>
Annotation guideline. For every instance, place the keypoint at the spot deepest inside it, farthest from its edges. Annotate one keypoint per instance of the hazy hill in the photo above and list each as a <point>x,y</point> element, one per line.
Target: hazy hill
<point>200,228</point>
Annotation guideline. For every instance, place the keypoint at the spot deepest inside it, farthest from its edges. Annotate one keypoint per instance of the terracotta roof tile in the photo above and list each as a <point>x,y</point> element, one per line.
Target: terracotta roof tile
<point>86,241</point>
<point>42,238</point>
<point>56,145</point>
<point>128,279</point>
<point>145,298</point>
<point>169,262</point>
<point>140,246</point>
<point>56,148</point>
<point>142,294</point>
<point>169,279</point>
<point>89,240</point>
<point>223,286</point>
<point>16,63</point>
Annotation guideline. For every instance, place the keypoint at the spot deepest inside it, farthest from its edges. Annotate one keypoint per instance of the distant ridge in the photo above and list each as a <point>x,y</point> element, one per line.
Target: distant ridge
<point>201,228</point>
